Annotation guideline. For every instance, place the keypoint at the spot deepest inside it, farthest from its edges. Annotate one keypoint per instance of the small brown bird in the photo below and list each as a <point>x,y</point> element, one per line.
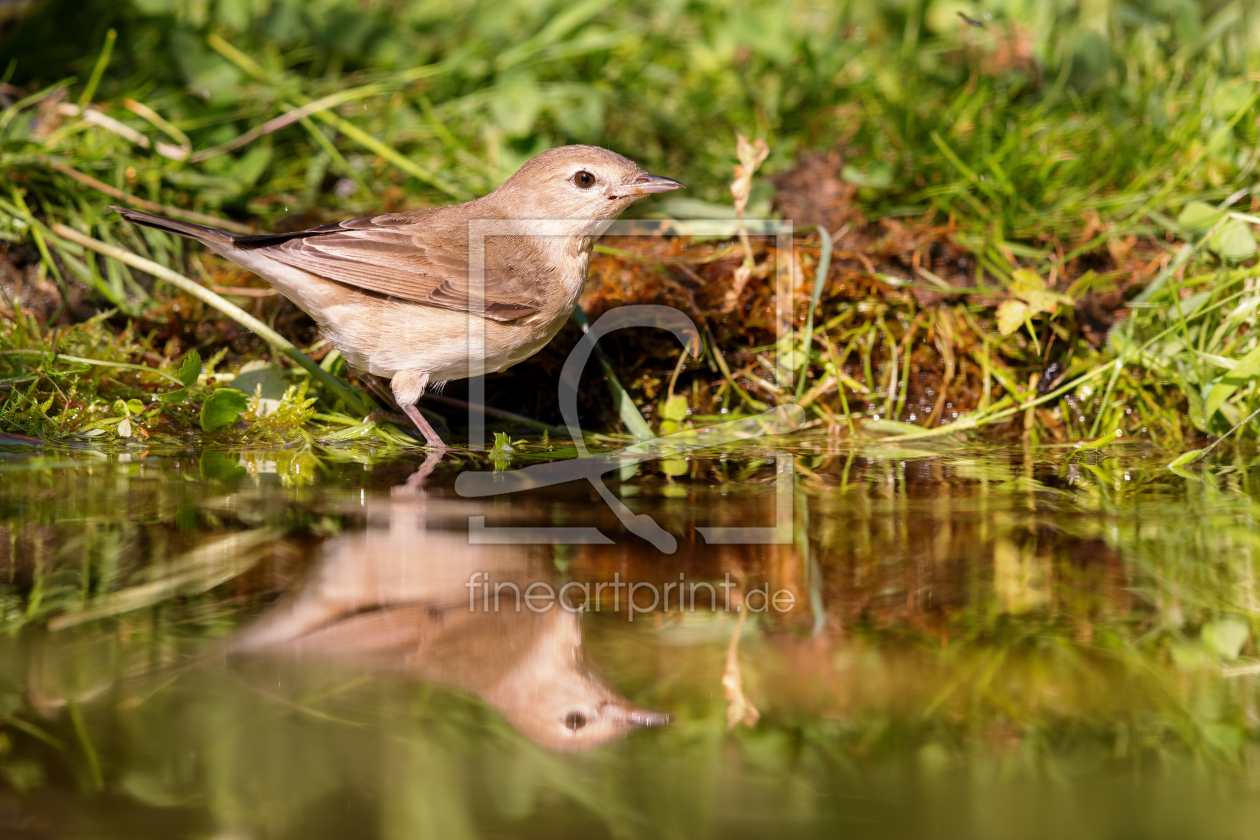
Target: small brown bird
<point>395,293</point>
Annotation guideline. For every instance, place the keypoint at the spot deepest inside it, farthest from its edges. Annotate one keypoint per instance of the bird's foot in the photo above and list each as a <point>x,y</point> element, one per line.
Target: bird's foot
<point>411,417</point>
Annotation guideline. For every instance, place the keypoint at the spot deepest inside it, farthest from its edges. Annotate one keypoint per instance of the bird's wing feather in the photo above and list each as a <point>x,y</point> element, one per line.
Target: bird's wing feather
<point>401,256</point>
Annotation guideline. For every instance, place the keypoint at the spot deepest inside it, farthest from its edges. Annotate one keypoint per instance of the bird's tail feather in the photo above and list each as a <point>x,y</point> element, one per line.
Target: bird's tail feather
<point>202,233</point>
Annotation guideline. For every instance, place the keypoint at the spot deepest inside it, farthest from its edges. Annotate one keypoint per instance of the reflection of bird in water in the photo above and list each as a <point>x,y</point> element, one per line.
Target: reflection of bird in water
<point>395,597</point>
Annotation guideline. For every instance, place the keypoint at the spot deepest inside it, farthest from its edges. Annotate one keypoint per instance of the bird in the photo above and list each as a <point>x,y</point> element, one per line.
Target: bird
<point>395,598</point>
<point>398,294</point>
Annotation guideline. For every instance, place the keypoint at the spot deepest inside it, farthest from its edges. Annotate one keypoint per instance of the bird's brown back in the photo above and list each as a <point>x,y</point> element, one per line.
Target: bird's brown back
<point>423,257</point>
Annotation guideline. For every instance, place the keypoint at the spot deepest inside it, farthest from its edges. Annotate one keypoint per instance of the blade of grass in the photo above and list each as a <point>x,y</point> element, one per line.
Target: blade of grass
<point>160,122</point>
<point>13,110</point>
<point>287,119</point>
<point>98,70</point>
<point>34,731</point>
<point>347,128</point>
<point>1187,458</point>
<point>626,409</point>
<point>720,362</point>
<point>134,201</point>
<point>1195,159</point>
<point>840,385</point>
<point>85,742</point>
<point>79,360</point>
<point>890,399</point>
<point>1094,445</point>
<point>1147,294</point>
<point>335,154</point>
<point>201,569</point>
<point>820,280</point>
<point>350,395</point>
<point>42,246</point>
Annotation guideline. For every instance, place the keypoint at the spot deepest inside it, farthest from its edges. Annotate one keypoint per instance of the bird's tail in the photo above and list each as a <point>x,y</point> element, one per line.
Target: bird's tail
<point>202,233</point>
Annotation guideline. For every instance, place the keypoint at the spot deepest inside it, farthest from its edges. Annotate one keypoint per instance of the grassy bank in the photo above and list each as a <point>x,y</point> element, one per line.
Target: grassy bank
<point>1042,219</point>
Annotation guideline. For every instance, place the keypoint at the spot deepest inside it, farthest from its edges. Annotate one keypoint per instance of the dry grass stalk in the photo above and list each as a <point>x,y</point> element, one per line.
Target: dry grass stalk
<point>739,708</point>
<point>751,156</point>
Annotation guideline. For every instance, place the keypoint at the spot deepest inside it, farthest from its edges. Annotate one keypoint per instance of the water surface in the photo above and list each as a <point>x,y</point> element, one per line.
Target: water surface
<point>966,642</point>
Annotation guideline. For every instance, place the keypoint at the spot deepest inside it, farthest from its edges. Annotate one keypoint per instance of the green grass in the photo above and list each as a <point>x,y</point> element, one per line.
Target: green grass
<point>1057,156</point>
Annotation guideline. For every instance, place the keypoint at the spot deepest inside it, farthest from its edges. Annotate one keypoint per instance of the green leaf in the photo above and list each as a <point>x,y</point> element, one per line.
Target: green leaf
<point>187,519</point>
<point>789,354</point>
<point>1226,637</point>
<point>220,466</point>
<point>135,406</point>
<point>1028,286</point>
<point>516,103</point>
<point>1186,458</point>
<point>675,408</point>
<point>205,72</point>
<point>1235,243</point>
<point>878,176</point>
<point>891,427</point>
<point>1025,282</point>
<point>1188,658</point>
<point>674,467</point>
<point>1230,413</point>
<point>250,166</point>
<point>1194,399</point>
<point>501,452</point>
<point>1098,443</point>
<point>1199,216</point>
<point>270,378</point>
<point>1247,369</point>
<point>221,408</point>
<point>174,396</point>
<point>190,369</point>
<point>1010,315</point>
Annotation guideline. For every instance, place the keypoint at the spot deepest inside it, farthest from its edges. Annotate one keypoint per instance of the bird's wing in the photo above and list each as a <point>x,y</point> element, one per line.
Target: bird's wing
<point>394,632</point>
<point>401,256</point>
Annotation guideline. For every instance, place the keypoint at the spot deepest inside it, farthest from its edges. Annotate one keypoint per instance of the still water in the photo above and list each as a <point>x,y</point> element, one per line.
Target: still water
<point>938,642</point>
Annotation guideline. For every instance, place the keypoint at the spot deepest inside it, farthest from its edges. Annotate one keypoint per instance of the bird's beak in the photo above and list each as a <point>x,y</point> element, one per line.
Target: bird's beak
<point>645,185</point>
<point>637,717</point>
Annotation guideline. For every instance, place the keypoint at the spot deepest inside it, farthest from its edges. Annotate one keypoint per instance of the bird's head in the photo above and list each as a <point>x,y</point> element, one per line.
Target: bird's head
<point>593,718</point>
<point>579,183</point>
<point>556,699</point>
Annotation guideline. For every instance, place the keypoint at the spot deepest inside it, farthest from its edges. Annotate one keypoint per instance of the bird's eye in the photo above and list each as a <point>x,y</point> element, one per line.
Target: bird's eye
<point>574,721</point>
<point>584,180</point>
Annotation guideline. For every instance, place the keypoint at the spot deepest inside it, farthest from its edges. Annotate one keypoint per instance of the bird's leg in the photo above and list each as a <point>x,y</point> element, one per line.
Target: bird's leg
<point>379,386</point>
<point>408,387</point>
<point>430,436</point>
<point>414,485</point>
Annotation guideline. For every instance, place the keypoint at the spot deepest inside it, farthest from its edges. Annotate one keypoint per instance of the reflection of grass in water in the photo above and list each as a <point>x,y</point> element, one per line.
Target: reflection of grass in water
<point>1108,627</point>
<point>1047,620</point>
